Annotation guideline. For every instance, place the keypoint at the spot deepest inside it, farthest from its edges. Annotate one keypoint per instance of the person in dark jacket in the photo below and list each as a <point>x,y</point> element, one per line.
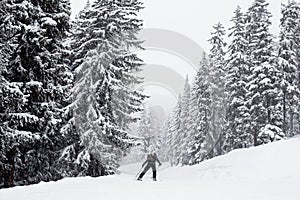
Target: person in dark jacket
<point>150,163</point>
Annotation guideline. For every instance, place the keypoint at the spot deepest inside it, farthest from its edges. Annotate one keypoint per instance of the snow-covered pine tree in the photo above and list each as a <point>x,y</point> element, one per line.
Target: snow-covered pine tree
<point>237,70</point>
<point>76,159</point>
<point>183,137</point>
<point>105,98</point>
<point>157,120</point>
<point>263,84</point>
<point>199,119</point>
<point>164,150</point>
<point>145,131</point>
<point>298,50</point>
<point>10,99</point>
<point>173,139</point>
<point>298,67</point>
<point>36,74</point>
<point>288,64</point>
<point>217,80</point>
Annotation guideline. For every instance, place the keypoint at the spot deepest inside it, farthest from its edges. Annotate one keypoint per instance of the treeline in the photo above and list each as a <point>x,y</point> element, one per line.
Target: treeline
<point>245,93</point>
<point>66,88</point>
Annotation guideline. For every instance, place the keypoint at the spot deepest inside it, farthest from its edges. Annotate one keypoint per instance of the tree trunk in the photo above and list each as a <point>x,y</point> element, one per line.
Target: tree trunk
<point>10,171</point>
<point>291,125</point>
<point>284,113</point>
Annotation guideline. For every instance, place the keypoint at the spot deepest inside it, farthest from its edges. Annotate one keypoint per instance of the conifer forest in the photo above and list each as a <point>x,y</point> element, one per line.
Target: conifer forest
<point>71,105</point>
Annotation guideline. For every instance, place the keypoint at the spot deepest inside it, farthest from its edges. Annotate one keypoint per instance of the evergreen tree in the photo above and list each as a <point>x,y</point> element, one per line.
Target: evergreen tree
<point>164,141</point>
<point>288,64</point>
<point>37,81</point>
<point>237,116</point>
<point>297,39</point>
<point>199,119</point>
<point>183,136</point>
<point>145,132</point>
<point>173,139</point>
<point>10,98</point>
<point>217,80</point>
<point>263,83</point>
<point>103,37</point>
<point>157,121</point>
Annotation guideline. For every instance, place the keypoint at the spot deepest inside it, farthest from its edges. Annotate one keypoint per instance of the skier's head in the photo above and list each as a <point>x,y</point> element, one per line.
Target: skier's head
<point>153,153</point>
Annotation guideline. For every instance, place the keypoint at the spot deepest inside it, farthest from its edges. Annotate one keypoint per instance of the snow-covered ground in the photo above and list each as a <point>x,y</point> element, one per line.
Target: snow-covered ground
<point>270,172</point>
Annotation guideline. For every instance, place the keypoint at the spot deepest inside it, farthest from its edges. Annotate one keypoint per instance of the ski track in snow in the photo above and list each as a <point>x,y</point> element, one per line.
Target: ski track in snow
<point>269,172</point>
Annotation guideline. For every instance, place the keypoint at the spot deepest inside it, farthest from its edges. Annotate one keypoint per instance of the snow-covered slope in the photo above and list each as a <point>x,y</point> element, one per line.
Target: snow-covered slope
<point>270,172</point>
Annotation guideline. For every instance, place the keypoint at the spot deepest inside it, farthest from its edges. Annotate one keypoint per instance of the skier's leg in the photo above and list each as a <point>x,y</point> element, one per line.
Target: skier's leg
<point>154,172</point>
<point>144,171</point>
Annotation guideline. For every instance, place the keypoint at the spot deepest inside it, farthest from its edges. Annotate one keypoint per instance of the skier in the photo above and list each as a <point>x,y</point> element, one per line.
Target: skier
<point>151,160</point>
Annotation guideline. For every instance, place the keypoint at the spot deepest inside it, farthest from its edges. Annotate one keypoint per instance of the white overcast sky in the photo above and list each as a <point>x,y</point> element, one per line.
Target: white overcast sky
<point>193,18</point>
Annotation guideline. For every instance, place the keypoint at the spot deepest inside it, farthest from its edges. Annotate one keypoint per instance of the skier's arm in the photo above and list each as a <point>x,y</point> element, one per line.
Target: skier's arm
<point>158,161</point>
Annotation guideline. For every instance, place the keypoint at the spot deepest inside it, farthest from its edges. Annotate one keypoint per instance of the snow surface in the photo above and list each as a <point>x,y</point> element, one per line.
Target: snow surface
<point>269,172</point>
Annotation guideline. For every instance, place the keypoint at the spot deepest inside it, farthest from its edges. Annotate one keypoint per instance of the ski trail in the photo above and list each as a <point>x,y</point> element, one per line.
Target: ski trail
<point>269,172</point>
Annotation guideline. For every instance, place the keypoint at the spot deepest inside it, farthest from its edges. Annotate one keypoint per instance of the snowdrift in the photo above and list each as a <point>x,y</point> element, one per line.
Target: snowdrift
<point>268,172</point>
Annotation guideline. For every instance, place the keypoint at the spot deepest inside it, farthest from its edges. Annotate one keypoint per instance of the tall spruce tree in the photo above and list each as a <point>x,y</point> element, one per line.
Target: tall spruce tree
<point>217,80</point>
<point>183,136</point>
<point>237,115</point>
<point>105,99</point>
<point>10,99</point>
<point>37,74</point>
<point>199,119</point>
<point>164,150</point>
<point>173,139</point>
<point>263,83</point>
<point>288,64</point>
<point>145,131</point>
